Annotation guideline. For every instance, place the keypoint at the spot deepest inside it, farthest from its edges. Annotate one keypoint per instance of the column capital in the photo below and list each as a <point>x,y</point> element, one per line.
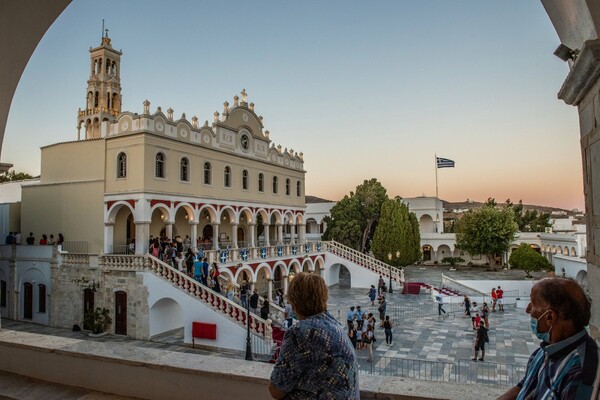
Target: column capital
<point>215,223</point>
<point>193,222</point>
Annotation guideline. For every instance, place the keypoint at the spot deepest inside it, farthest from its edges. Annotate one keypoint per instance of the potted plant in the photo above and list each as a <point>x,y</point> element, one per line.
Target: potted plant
<point>97,321</point>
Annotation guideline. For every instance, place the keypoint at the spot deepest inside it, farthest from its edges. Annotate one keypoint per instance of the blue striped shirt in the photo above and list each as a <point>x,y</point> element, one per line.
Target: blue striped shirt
<point>554,371</point>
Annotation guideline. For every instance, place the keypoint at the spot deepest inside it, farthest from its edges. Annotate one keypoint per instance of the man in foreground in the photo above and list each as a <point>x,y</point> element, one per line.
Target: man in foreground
<point>566,364</point>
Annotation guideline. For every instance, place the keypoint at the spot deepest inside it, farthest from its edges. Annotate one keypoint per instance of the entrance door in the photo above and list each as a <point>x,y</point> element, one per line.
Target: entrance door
<point>28,301</point>
<point>426,253</point>
<point>88,304</point>
<point>120,313</point>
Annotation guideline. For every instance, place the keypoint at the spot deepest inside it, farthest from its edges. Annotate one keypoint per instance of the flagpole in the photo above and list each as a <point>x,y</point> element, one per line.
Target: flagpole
<point>436,178</point>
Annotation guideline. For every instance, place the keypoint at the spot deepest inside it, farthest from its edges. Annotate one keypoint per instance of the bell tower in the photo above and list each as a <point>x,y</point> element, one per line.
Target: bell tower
<point>103,98</point>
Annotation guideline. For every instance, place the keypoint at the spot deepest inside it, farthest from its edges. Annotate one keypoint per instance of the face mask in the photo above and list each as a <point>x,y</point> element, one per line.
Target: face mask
<point>544,336</point>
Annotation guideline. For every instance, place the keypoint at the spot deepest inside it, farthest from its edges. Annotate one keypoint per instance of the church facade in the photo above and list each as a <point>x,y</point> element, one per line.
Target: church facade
<point>130,176</point>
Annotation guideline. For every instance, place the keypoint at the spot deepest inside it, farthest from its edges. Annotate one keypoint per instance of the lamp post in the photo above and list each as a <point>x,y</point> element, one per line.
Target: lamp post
<point>248,342</point>
<point>390,290</point>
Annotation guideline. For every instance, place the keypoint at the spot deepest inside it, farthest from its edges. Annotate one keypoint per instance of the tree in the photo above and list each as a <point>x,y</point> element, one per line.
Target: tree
<point>344,223</point>
<point>529,220</point>
<point>355,217</point>
<point>527,259</point>
<point>11,176</point>
<point>395,235</point>
<point>487,231</point>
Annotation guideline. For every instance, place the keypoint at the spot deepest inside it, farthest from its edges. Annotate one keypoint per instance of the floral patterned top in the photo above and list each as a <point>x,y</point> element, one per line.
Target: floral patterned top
<point>317,361</point>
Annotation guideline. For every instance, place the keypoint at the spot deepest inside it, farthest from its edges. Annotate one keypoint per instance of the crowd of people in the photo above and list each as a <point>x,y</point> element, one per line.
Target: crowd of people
<point>15,238</point>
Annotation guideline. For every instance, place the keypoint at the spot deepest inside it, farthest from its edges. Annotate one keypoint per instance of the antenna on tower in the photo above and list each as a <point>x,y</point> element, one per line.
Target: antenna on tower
<point>102,33</point>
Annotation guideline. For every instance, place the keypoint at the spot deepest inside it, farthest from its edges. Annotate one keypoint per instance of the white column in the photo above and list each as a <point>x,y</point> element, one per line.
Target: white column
<point>234,232</point>
<point>270,289</point>
<point>279,233</point>
<point>302,234</point>
<point>285,283</point>
<point>215,226</point>
<point>194,235</point>
<point>252,228</point>
<point>293,233</point>
<point>266,234</point>
<point>169,230</point>
<point>109,229</point>
<point>142,237</point>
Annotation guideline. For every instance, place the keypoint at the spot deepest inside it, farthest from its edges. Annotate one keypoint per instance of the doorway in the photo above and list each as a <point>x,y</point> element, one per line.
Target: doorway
<point>88,304</point>
<point>28,300</point>
<point>120,313</point>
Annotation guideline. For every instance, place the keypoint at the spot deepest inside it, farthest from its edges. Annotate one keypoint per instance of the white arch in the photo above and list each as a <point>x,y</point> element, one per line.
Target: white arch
<point>167,211</point>
<point>277,215</point>
<point>311,265</point>
<point>296,263</point>
<point>245,267</point>
<point>230,212</point>
<point>111,214</point>
<point>189,209</point>
<point>263,266</point>
<point>210,210</point>
<point>165,315</point>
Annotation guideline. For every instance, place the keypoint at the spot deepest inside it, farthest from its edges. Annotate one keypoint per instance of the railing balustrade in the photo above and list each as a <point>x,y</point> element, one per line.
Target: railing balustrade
<point>366,261</point>
<point>464,371</point>
<point>217,301</point>
<point>73,246</point>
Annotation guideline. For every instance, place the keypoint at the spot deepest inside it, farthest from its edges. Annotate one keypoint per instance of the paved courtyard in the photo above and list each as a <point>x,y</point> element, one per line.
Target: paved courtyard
<point>420,334</point>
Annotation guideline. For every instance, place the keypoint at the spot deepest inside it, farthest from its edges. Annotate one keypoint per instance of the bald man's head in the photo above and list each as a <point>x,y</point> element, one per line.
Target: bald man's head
<point>567,298</point>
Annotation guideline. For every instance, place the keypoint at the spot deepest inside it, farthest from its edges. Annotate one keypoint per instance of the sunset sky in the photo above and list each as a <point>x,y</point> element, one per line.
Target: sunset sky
<point>364,89</point>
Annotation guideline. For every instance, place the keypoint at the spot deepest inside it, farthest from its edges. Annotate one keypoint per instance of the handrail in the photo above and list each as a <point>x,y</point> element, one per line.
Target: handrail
<point>366,261</point>
<point>277,316</point>
<point>183,282</point>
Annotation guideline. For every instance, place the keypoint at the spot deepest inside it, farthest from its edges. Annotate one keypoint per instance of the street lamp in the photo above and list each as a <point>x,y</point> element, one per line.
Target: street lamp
<point>248,342</point>
<point>390,290</point>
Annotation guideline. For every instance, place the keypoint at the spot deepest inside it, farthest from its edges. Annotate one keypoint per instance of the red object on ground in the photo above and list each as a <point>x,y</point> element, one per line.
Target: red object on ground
<point>203,330</point>
<point>411,288</point>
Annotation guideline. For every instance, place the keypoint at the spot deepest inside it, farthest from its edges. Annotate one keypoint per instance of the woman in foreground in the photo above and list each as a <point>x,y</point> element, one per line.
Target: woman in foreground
<point>317,360</point>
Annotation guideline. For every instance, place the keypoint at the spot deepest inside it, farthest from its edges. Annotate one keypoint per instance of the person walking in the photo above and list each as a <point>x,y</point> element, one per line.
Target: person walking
<point>382,309</point>
<point>254,302</point>
<point>439,298</point>
<point>387,327</point>
<point>372,294</point>
<point>494,299</point>
<point>265,310</point>
<point>467,303</point>
<point>481,338</point>
<point>380,284</point>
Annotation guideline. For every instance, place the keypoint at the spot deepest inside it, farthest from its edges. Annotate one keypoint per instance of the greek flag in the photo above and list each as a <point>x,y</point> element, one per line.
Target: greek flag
<point>444,163</point>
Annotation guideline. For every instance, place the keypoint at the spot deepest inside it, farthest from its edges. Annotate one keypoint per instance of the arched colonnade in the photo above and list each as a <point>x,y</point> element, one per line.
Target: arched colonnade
<point>209,225</point>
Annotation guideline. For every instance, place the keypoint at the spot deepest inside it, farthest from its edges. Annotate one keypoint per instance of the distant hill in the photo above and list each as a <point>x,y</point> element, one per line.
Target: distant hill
<point>469,204</point>
<point>315,199</point>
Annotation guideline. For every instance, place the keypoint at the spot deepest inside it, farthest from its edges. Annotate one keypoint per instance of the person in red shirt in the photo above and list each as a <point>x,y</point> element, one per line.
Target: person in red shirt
<point>500,296</point>
<point>494,299</point>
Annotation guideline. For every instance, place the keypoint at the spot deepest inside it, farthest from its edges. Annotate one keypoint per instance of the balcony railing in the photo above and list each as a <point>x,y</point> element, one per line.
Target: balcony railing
<point>465,371</point>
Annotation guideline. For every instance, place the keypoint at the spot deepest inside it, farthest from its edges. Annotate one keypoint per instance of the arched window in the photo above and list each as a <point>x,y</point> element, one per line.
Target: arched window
<point>227,177</point>
<point>298,189</point>
<point>184,170</point>
<point>245,179</point>
<point>207,174</point>
<point>287,187</point>
<point>122,165</point>
<point>275,185</point>
<point>160,165</point>
<point>261,183</point>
